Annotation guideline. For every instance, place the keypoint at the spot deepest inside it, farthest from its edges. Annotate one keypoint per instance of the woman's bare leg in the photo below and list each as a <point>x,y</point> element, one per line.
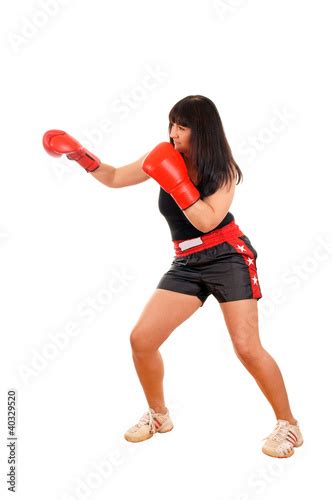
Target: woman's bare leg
<point>241,318</point>
<point>162,314</point>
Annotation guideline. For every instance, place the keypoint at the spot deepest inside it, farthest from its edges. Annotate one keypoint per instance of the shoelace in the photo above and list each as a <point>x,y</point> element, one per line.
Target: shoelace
<point>280,432</point>
<point>147,418</point>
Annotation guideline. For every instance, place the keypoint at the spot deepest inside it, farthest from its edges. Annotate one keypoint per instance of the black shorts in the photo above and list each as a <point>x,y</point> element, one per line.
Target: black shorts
<point>226,270</point>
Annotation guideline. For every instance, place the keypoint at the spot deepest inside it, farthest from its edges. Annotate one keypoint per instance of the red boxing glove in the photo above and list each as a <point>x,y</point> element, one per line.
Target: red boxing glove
<point>58,142</point>
<point>168,168</point>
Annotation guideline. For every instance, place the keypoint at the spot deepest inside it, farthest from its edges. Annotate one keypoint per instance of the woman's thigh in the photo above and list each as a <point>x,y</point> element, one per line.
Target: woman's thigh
<point>164,311</point>
<point>241,318</point>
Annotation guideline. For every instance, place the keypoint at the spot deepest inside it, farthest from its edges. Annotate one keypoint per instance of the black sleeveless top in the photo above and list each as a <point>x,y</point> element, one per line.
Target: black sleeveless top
<point>180,227</point>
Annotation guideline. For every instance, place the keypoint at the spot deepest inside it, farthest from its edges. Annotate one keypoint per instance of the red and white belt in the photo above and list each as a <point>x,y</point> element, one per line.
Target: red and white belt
<point>192,245</point>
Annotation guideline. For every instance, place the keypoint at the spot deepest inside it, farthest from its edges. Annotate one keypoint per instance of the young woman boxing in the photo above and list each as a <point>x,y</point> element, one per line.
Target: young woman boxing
<point>197,176</point>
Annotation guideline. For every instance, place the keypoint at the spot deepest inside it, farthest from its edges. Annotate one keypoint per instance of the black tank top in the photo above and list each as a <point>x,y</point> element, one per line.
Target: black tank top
<point>181,228</point>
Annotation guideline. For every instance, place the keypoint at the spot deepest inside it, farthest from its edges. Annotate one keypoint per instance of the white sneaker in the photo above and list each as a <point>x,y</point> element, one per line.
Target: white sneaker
<point>150,423</point>
<point>282,441</point>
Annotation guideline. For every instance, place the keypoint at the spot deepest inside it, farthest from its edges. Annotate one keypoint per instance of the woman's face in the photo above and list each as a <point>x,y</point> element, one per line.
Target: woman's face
<point>181,138</point>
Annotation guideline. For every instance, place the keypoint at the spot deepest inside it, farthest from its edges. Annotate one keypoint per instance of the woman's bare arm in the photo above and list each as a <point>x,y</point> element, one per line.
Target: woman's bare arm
<point>127,175</point>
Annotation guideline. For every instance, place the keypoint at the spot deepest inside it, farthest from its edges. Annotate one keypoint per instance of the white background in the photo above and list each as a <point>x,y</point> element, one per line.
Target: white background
<point>108,73</point>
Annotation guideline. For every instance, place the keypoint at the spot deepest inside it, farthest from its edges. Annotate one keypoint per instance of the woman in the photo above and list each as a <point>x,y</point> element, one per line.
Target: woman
<point>197,175</point>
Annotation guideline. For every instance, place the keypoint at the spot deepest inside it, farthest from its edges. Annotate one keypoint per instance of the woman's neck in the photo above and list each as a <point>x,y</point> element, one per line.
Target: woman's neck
<point>192,171</point>
<point>188,163</point>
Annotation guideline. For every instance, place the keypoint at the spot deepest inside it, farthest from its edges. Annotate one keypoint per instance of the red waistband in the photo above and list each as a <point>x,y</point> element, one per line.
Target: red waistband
<point>192,245</point>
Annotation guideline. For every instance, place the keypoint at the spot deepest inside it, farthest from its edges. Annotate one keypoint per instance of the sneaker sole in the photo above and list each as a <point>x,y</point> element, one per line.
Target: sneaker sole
<point>148,436</point>
<point>270,454</point>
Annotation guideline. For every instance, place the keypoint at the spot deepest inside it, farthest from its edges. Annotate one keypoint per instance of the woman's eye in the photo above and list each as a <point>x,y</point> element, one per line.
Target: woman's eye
<point>181,128</point>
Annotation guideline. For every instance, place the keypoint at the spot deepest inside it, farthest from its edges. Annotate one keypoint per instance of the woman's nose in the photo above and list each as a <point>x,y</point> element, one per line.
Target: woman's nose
<point>174,132</point>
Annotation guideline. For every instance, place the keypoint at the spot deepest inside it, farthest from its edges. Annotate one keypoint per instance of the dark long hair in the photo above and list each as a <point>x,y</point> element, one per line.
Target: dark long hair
<point>210,152</point>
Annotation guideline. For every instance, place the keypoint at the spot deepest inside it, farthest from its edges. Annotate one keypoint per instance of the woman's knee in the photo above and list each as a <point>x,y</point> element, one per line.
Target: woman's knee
<point>247,351</point>
<point>141,341</point>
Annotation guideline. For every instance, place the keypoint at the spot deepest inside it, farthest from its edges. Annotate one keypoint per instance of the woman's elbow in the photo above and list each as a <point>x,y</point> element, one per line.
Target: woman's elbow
<point>206,228</point>
<point>210,226</point>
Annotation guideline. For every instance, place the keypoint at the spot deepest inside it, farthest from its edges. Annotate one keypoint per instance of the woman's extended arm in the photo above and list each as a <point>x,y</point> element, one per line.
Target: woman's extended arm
<point>58,142</point>
<point>127,175</point>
